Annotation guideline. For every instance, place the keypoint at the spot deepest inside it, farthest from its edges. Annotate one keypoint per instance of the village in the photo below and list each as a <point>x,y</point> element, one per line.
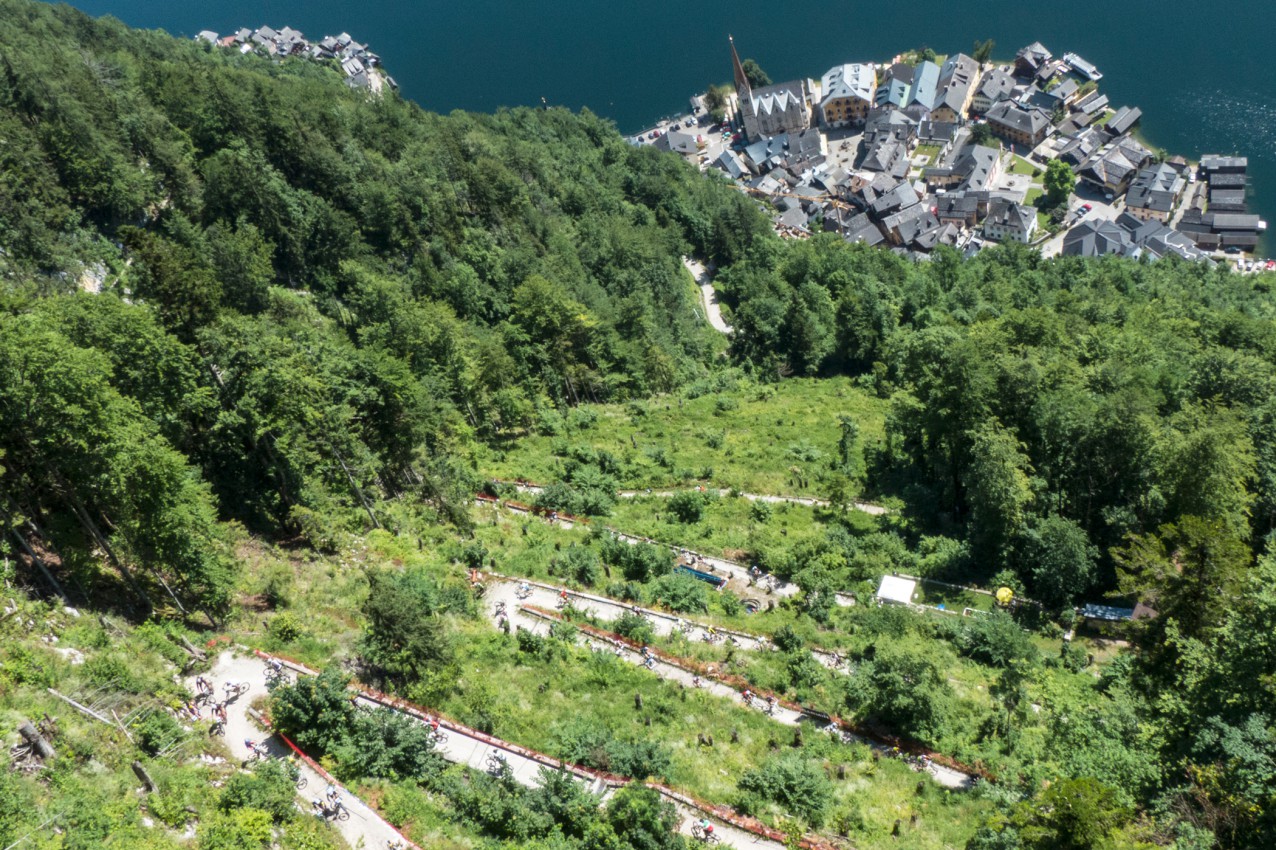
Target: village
<point>927,150</point>
<point>361,67</point>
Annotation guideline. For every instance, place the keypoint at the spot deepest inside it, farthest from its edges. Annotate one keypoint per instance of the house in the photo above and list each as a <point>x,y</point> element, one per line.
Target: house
<point>957,79</point>
<point>208,37</point>
<point>1096,237</point>
<point>973,167</point>
<point>905,226</point>
<point>1082,145</point>
<point>995,87</point>
<point>1212,231</point>
<point>849,93</point>
<point>1073,125</point>
<point>1154,191</point>
<point>770,110</point>
<point>1092,104</point>
<point>862,229</point>
<point>895,87</point>
<point>1082,68</point>
<point>1227,200</point>
<point>676,141</point>
<point>1124,119</point>
<point>960,208</point>
<point>925,88</point>
<point>1017,124</point>
<point>1213,164</point>
<point>1010,222</point>
<point>1031,60</point>
<point>936,133</point>
<point>1111,168</point>
<point>1156,240</point>
<point>900,197</point>
<point>264,36</point>
<point>731,163</point>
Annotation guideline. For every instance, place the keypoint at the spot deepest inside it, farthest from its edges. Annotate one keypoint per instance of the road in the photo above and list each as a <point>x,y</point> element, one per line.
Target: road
<point>712,310</point>
<point>365,828</point>
<point>506,592</point>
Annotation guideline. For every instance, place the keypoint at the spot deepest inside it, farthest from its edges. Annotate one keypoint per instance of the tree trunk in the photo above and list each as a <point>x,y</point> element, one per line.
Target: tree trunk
<point>35,739</point>
<point>145,777</point>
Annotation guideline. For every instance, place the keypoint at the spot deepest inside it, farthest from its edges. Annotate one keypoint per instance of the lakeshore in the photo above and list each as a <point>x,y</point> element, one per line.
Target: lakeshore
<point>925,151</point>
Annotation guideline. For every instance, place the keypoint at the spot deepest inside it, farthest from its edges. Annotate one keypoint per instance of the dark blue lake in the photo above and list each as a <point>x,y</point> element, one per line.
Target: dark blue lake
<point>1203,75</point>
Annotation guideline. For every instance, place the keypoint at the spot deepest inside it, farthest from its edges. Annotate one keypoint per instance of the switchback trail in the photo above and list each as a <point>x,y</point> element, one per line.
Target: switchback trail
<point>475,749</point>
<point>790,715</point>
<point>365,828</point>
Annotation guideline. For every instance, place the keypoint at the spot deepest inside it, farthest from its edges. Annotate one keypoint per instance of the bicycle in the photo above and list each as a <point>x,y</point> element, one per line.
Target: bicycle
<point>496,763</point>
<point>706,836</point>
<point>339,811</point>
<point>523,592</point>
<point>235,690</point>
<point>437,737</point>
<point>276,677</point>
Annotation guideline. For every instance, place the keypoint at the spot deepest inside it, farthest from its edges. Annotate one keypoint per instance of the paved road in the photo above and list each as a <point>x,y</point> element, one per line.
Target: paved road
<point>707,294</point>
<point>365,828</point>
<point>506,592</point>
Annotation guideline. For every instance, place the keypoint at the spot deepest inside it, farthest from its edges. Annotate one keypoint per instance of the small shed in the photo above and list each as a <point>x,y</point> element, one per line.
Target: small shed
<point>896,589</point>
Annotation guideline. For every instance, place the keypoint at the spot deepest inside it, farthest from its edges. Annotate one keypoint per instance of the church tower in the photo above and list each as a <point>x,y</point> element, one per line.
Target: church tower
<point>742,88</point>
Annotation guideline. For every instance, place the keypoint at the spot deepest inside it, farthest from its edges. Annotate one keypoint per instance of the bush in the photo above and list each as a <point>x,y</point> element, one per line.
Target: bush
<point>760,512</point>
<point>314,712</point>
<point>383,744</point>
<point>731,604</point>
<point>794,783</point>
<point>682,593</point>
<point>640,562</point>
<point>270,787</point>
<point>405,635</point>
<point>579,564</point>
<point>640,759</point>
<point>635,627</point>
<point>285,628</point>
<point>156,732</point>
<point>687,505</point>
<point>995,640</point>
<point>903,686</point>
<point>787,640</point>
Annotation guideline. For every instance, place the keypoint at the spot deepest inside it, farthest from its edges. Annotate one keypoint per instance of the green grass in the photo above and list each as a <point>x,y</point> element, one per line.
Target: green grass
<point>1019,165</point>
<point>757,438</point>
<point>537,696</point>
<point>1033,193</point>
<point>931,151</point>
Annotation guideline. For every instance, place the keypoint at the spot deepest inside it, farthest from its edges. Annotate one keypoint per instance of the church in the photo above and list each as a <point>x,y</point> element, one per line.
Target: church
<point>771,110</point>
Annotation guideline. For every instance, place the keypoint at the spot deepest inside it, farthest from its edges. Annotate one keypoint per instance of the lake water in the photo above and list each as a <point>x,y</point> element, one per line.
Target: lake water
<point>1204,76</point>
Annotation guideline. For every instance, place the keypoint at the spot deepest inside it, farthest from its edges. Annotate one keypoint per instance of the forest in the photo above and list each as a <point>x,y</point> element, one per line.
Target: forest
<point>264,337</point>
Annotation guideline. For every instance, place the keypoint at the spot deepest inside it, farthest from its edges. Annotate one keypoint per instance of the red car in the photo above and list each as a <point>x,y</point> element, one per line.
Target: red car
<point>1085,208</point>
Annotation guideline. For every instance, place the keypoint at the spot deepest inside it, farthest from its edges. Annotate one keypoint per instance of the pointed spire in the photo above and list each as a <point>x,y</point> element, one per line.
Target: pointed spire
<point>742,86</point>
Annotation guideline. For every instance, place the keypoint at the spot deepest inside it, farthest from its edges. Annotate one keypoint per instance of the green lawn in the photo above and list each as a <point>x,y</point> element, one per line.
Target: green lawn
<point>1019,165</point>
<point>1033,193</point>
<point>774,438</point>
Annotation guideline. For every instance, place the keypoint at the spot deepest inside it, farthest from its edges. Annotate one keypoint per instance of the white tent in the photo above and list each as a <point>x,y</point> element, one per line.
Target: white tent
<point>896,589</point>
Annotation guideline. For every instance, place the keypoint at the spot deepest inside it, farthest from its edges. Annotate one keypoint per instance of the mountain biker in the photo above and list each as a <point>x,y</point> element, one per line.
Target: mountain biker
<point>203,685</point>
<point>747,696</point>
<point>696,682</point>
<point>770,704</point>
<point>433,723</point>
<point>705,827</point>
<point>276,665</point>
<point>331,793</point>
<point>525,589</point>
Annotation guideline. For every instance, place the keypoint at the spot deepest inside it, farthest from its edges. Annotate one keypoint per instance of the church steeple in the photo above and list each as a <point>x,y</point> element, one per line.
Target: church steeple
<point>742,87</point>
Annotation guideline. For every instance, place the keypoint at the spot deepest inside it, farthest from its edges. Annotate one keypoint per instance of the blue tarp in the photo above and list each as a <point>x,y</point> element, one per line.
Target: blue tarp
<point>1107,612</point>
<point>717,581</point>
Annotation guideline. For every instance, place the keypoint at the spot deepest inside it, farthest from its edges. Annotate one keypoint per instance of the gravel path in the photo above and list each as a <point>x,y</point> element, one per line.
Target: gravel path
<point>712,310</point>
<point>365,828</point>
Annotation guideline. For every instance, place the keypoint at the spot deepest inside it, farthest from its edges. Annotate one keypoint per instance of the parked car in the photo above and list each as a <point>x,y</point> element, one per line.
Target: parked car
<point>1085,209</point>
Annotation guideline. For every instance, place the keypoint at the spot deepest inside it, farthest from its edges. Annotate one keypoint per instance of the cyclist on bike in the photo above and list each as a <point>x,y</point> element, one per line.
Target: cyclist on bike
<point>747,696</point>
<point>433,723</point>
<point>706,828</point>
<point>525,589</point>
<point>331,793</point>
<point>770,704</point>
<point>203,685</point>
<point>696,682</point>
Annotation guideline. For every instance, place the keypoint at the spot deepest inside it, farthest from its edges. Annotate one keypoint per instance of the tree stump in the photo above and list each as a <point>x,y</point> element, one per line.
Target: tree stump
<point>37,741</point>
<point>145,777</point>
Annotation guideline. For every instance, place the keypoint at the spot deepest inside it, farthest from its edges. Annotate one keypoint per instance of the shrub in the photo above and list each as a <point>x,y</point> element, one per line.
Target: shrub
<point>639,562</point>
<point>903,686</point>
<point>731,604</point>
<point>634,627</point>
<point>640,759</point>
<point>682,593</point>
<point>687,505</point>
<point>760,512</point>
<point>270,787</point>
<point>579,564</point>
<point>405,635</point>
<point>156,732</point>
<point>314,711</point>
<point>794,783</point>
<point>285,628</point>
<point>787,640</point>
<point>383,744</point>
<point>995,640</point>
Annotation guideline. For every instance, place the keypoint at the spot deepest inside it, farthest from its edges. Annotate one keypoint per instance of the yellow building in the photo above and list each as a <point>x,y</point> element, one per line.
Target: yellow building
<point>847,92</point>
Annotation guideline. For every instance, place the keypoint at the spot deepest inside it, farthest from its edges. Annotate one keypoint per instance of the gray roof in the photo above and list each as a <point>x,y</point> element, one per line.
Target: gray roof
<point>1009,214</point>
<point>731,163</point>
<point>1093,103</point>
<point>1215,162</point>
<point>957,205</point>
<point>1125,118</point>
<point>1220,180</point>
<point>925,85</point>
<point>1096,237</point>
<point>1155,188</point>
<point>900,197</point>
<point>996,85</point>
<point>956,78</point>
<point>778,98</point>
<point>1031,121</point>
<point>848,81</point>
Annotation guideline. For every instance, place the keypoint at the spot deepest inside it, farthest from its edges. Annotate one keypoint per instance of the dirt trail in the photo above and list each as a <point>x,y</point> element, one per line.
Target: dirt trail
<point>712,310</point>
<point>365,828</point>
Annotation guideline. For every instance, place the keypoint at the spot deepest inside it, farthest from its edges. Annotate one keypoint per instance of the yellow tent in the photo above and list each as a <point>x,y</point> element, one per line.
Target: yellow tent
<point>1005,595</point>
